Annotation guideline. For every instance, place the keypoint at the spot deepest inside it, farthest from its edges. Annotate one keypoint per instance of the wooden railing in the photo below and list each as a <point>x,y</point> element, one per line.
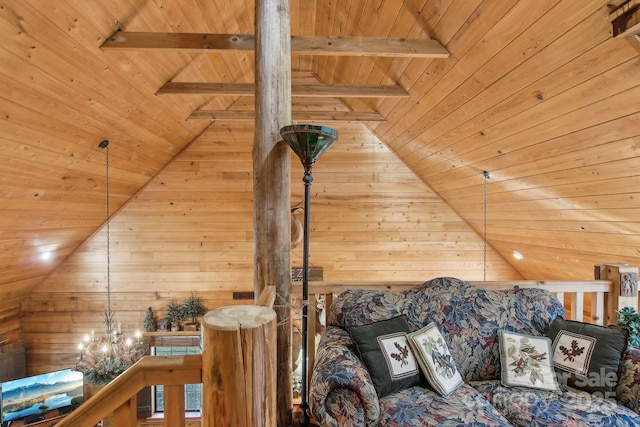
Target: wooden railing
<point>119,397</point>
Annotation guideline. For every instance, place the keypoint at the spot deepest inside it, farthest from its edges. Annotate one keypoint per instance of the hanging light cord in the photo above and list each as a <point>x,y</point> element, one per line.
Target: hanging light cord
<point>105,144</point>
<point>487,175</point>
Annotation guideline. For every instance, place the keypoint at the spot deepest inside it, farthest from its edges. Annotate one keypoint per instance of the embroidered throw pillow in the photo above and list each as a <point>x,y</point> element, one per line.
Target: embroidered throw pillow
<point>586,356</point>
<point>384,349</point>
<point>526,361</point>
<point>435,361</point>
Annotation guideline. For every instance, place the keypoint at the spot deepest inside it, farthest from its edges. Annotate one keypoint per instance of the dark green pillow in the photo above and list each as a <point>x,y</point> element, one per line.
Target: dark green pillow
<point>588,357</point>
<point>384,349</point>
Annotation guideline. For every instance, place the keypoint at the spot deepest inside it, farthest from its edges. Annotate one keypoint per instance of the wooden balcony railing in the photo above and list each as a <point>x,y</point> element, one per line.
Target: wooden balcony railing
<point>119,397</point>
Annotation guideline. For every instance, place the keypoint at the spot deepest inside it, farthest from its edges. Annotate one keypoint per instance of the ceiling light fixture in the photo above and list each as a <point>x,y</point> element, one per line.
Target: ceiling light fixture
<point>103,358</point>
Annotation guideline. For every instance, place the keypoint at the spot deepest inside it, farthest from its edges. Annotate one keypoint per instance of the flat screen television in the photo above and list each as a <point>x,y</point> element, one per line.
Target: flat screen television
<point>36,395</point>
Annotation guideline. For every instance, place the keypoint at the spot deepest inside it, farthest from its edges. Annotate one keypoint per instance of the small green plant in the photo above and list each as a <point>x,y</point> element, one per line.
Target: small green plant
<point>630,318</point>
<point>174,313</point>
<point>193,308</point>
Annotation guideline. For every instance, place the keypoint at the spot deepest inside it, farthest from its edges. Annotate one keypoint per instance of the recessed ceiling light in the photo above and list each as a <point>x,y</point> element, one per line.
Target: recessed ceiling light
<point>517,255</point>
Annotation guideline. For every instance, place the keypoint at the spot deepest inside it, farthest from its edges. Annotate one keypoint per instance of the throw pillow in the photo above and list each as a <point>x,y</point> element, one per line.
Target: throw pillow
<point>526,361</point>
<point>586,356</point>
<point>435,360</point>
<point>384,349</point>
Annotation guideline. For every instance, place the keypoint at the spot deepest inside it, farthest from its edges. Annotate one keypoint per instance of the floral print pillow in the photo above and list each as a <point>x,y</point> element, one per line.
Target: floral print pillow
<point>435,360</point>
<point>527,361</point>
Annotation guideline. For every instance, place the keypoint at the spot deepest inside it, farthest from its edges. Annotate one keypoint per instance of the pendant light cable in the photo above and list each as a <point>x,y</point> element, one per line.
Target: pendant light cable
<point>105,144</point>
<point>487,176</point>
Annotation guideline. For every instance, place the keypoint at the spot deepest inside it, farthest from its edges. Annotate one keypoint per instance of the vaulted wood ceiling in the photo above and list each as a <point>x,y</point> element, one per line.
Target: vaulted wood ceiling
<point>539,93</point>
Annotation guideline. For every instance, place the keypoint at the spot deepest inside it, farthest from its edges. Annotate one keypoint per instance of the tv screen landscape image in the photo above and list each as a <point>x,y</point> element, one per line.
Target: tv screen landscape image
<point>41,393</point>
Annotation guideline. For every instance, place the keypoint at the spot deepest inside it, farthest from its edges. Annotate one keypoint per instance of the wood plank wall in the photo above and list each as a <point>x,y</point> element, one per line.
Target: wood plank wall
<point>191,230</point>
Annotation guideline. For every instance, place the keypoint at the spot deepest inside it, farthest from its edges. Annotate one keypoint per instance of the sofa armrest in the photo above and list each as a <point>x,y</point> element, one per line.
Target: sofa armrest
<point>628,388</point>
<point>341,392</point>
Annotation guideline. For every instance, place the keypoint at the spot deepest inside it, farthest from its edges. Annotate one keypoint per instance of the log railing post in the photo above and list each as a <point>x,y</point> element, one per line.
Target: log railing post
<point>624,292</point>
<point>239,367</point>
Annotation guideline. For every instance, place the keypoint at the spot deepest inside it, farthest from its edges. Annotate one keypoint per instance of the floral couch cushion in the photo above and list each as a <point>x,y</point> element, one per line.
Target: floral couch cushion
<point>537,408</point>
<point>417,407</point>
<point>341,390</point>
<point>628,388</point>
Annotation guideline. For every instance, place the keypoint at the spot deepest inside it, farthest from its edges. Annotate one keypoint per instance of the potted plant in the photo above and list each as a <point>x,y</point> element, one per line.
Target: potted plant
<point>149,324</point>
<point>192,309</point>
<point>630,318</point>
<point>174,315</point>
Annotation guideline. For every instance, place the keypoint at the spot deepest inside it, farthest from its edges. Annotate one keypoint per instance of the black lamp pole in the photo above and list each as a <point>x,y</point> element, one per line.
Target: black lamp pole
<point>307,179</point>
<point>308,142</point>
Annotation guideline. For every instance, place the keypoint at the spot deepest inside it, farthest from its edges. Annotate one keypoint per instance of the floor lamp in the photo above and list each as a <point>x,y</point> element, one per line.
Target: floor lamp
<point>308,142</point>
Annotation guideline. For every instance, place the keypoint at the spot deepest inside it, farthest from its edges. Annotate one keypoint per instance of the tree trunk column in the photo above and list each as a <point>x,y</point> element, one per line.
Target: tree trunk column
<point>272,178</point>
<point>239,367</point>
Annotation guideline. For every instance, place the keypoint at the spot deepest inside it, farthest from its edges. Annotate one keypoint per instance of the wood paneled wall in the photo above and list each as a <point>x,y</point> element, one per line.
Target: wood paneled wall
<point>190,229</point>
<point>538,93</point>
<point>10,324</point>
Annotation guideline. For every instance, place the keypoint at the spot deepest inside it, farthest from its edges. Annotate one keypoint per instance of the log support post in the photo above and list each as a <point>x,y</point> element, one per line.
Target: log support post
<point>272,179</point>
<point>239,367</point>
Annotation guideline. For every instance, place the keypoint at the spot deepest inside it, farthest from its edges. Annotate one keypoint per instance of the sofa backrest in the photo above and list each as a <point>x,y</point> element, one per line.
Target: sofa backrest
<point>469,317</point>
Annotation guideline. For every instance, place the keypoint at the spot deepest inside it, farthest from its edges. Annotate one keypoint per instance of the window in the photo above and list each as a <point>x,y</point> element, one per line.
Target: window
<point>193,392</point>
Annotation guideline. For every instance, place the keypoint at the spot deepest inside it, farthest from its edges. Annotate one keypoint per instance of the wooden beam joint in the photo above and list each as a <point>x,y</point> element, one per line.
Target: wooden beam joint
<point>626,20</point>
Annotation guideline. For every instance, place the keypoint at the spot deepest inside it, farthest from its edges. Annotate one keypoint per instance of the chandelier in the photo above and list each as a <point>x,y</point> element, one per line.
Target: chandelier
<point>104,357</point>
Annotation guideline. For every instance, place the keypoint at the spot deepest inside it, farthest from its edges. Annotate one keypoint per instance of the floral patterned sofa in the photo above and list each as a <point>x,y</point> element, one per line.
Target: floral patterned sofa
<point>469,318</point>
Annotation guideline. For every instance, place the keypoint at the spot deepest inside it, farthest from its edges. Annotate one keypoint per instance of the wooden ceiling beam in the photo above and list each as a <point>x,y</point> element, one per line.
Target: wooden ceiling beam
<point>625,20</point>
<point>302,45</point>
<point>303,116</point>
<point>313,90</point>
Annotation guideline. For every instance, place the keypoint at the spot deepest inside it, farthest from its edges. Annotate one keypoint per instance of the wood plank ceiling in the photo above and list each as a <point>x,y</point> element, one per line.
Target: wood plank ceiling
<point>539,93</point>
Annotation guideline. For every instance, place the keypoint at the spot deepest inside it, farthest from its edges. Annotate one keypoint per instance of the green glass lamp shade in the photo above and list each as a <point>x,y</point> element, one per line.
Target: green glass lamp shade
<point>308,141</point>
